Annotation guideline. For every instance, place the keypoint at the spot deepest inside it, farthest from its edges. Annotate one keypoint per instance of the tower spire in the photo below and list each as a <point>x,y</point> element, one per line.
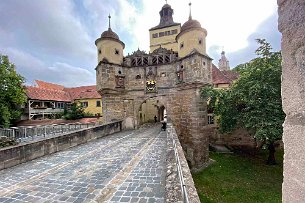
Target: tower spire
<point>166,1</point>
<point>190,17</point>
<point>109,20</point>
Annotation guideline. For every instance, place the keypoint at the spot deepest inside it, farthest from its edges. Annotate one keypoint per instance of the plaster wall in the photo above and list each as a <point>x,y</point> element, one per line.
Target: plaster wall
<point>169,42</point>
<point>107,48</point>
<point>190,41</point>
<point>92,108</point>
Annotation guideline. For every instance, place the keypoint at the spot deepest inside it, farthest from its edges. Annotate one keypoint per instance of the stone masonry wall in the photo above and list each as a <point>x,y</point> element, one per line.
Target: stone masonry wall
<point>292,27</point>
<point>178,90</point>
<point>21,153</point>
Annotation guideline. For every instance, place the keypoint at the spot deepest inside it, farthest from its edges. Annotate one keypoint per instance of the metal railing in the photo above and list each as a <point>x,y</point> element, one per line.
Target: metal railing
<point>29,133</point>
<point>179,171</point>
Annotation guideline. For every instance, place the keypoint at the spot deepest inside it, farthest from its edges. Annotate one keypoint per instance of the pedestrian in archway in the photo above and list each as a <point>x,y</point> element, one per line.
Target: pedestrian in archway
<point>155,119</point>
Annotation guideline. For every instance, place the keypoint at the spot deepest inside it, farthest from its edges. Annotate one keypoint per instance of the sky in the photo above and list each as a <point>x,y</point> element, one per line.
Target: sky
<point>53,40</point>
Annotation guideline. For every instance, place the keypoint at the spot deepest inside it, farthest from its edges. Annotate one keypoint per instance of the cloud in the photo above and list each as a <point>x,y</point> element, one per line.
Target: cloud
<point>46,27</point>
<point>33,68</point>
<point>54,39</point>
<point>266,30</point>
<point>229,23</point>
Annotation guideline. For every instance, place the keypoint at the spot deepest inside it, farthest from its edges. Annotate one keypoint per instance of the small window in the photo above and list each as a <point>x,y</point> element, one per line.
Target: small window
<point>117,52</point>
<point>174,32</point>
<point>167,33</point>
<point>60,105</point>
<point>161,34</point>
<point>155,35</point>
<point>200,41</point>
<point>138,77</point>
<point>181,45</point>
<point>181,67</point>
<point>98,103</point>
<point>203,63</point>
<point>99,51</point>
<point>210,119</point>
<point>84,104</point>
<point>120,72</point>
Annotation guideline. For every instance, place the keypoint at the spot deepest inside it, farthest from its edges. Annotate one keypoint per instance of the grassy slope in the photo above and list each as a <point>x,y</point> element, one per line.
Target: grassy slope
<point>239,178</point>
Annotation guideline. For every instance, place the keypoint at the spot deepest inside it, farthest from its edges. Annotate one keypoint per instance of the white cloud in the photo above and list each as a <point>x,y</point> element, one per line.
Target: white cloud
<point>33,68</point>
<point>52,39</point>
<point>229,23</point>
<point>48,27</point>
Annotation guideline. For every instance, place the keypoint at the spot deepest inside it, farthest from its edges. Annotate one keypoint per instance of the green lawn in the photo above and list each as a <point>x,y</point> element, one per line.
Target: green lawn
<point>240,178</point>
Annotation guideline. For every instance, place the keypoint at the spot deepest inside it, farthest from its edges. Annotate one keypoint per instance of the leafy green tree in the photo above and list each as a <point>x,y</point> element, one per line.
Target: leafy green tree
<point>76,112</point>
<point>254,100</point>
<point>12,92</point>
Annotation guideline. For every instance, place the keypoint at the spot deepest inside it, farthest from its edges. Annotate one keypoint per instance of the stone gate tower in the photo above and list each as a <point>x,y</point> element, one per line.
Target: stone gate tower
<point>173,73</point>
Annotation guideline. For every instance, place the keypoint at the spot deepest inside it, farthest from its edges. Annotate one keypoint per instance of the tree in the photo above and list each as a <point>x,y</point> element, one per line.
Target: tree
<point>76,112</point>
<point>254,100</point>
<point>12,92</point>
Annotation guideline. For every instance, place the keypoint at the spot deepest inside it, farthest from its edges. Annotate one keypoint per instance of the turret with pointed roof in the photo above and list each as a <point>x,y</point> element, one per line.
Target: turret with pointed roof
<point>110,47</point>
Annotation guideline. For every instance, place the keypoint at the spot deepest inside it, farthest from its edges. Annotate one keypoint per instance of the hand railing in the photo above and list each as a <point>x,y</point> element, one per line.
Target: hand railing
<point>28,133</point>
<point>179,171</point>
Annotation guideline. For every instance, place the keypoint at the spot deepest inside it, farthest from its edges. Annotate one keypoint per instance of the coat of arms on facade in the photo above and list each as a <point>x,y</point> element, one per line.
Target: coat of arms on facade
<point>150,73</point>
<point>120,81</point>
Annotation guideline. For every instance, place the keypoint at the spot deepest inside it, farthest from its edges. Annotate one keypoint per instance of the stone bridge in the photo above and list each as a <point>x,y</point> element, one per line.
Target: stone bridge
<point>125,166</point>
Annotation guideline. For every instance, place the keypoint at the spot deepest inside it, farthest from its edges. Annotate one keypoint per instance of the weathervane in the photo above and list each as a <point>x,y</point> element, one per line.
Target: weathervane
<point>190,17</point>
<point>109,20</point>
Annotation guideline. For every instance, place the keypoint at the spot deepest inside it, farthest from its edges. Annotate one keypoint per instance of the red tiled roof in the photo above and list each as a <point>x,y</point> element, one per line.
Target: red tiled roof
<point>53,92</point>
<point>38,93</point>
<point>84,92</point>
<point>47,85</point>
<point>223,77</point>
<point>232,75</point>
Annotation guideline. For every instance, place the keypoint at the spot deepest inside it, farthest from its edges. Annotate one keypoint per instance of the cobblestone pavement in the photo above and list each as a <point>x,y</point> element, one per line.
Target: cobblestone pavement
<point>125,167</point>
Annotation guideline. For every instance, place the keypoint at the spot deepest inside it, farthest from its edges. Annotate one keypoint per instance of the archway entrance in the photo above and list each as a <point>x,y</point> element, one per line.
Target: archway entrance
<point>151,111</point>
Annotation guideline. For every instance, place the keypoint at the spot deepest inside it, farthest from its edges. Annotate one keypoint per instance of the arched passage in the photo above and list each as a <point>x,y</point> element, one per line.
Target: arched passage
<point>150,110</point>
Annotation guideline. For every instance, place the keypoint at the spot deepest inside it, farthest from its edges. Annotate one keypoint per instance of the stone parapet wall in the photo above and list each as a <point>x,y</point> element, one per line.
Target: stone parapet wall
<point>24,152</point>
<point>173,187</point>
<point>292,27</point>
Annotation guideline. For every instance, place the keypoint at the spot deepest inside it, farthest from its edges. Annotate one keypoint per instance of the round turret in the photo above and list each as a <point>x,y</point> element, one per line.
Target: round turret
<point>110,47</point>
<point>192,36</point>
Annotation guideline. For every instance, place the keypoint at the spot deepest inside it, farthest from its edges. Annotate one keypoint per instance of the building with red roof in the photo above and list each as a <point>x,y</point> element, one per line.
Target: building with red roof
<point>48,100</point>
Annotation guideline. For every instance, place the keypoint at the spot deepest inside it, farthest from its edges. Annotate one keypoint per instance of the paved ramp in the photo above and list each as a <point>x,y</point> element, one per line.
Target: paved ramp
<point>124,167</point>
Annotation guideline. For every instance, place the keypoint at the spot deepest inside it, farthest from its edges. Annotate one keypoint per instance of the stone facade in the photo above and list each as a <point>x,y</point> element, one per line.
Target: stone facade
<point>292,27</point>
<point>173,79</point>
<point>180,95</point>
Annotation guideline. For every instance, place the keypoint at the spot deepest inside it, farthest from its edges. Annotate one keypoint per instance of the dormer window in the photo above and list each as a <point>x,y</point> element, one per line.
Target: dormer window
<point>117,52</point>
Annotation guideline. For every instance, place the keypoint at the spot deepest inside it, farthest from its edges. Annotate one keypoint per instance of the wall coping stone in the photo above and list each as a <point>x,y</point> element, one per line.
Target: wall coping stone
<point>172,186</point>
<point>24,152</point>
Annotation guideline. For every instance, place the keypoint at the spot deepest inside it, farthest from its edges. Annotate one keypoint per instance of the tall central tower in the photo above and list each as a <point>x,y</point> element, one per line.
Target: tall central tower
<point>165,33</point>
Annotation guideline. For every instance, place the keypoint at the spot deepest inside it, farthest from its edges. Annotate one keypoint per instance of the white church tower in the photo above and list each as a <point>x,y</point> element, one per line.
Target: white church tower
<point>223,63</point>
